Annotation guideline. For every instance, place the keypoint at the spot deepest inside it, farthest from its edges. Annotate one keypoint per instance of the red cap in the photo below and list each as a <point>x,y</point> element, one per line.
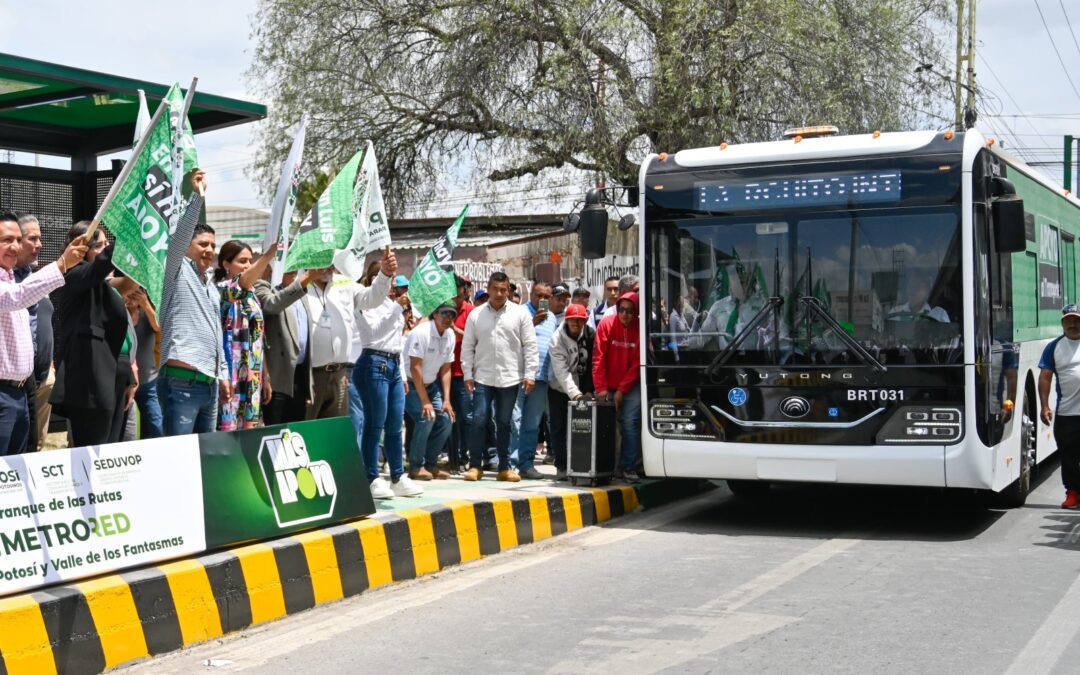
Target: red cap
<point>576,312</point>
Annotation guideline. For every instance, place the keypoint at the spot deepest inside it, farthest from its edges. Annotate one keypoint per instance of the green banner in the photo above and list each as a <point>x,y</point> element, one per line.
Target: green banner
<point>329,226</point>
<point>433,281</point>
<point>266,482</point>
<point>138,216</point>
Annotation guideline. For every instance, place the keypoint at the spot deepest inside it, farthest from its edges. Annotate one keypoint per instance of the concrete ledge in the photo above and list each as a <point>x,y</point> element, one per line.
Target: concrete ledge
<point>93,625</point>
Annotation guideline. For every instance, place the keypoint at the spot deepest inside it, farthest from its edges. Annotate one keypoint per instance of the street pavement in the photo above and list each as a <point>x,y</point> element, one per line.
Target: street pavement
<point>813,579</point>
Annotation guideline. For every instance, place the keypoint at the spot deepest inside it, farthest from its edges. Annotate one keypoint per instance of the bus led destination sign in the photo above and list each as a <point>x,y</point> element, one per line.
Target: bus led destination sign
<point>834,189</point>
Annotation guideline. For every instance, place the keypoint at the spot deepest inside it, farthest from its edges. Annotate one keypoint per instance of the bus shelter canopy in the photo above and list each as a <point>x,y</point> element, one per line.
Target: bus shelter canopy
<point>54,109</point>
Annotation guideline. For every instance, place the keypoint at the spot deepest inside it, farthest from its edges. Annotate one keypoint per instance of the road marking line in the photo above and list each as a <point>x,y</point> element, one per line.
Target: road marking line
<point>1044,649</point>
<point>743,595</point>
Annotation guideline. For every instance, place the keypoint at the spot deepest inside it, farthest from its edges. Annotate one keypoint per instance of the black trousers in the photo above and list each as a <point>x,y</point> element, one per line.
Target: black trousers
<point>558,403</point>
<point>97,427</point>
<point>284,409</point>
<point>31,408</point>
<point>1067,435</point>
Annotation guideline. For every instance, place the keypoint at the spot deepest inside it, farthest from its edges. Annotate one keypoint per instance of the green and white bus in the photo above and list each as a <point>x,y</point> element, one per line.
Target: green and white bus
<point>853,309</point>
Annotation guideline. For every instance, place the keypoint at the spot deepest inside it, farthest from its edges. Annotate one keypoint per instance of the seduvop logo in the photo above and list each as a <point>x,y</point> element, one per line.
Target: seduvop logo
<point>301,490</point>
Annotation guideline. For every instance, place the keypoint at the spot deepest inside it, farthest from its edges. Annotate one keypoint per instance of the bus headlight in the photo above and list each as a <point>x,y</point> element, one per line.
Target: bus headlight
<point>923,424</point>
<point>681,418</point>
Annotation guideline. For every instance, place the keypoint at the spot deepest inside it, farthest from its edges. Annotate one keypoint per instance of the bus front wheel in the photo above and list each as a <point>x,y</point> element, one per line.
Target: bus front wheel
<point>748,488</point>
<point>1014,496</point>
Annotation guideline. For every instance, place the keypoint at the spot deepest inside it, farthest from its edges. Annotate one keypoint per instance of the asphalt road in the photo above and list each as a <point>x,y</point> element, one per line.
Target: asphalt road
<point>811,580</point>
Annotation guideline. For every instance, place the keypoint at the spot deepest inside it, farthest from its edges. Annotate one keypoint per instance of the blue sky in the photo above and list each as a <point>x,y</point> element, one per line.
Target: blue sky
<point>133,39</point>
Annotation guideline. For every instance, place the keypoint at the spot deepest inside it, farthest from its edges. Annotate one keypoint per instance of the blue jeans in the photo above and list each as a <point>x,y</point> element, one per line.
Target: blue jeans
<point>150,418</point>
<point>630,428</point>
<point>378,379</point>
<point>187,406</point>
<point>503,399</point>
<point>14,420</point>
<point>356,411</point>
<point>532,410</point>
<point>428,436</point>
<point>461,400</point>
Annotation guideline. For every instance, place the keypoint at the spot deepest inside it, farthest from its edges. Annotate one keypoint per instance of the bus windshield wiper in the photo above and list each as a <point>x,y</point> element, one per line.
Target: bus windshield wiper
<point>816,308</point>
<point>771,304</point>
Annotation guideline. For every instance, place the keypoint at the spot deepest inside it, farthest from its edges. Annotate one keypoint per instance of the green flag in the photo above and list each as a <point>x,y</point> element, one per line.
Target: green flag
<point>329,226</point>
<point>433,281</point>
<point>139,213</point>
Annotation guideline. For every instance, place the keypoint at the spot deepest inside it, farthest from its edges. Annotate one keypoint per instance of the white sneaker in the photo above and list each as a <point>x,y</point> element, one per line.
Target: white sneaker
<point>380,489</point>
<point>404,487</point>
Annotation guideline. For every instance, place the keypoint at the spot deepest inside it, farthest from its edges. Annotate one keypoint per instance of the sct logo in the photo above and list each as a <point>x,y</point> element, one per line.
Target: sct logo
<point>301,490</point>
<point>795,406</point>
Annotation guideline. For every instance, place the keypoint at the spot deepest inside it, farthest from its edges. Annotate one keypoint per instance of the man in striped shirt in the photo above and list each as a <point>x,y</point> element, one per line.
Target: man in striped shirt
<point>193,369</point>
<point>16,340</point>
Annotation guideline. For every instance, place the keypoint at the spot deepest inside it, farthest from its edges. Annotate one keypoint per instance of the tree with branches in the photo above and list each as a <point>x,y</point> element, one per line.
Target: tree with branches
<point>507,89</point>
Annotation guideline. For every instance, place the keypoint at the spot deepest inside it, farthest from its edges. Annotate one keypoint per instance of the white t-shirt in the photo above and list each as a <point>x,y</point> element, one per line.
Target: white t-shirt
<point>1062,356</point>
<point>436,350</point>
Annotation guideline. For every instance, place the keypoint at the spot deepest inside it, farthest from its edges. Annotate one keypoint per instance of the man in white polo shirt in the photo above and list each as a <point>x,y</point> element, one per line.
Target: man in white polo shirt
<point>1061,358</point>
<point>429,351</point>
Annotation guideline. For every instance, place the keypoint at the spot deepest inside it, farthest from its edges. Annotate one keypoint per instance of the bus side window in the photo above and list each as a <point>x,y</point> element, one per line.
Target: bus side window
<point>1068,267</point>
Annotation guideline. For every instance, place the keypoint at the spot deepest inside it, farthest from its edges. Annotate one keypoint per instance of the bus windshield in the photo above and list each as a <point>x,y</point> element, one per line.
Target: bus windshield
<point>778,287</point>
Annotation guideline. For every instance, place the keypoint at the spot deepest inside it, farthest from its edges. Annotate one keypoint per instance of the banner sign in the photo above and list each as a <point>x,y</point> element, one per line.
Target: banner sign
<point>266,482</point>
<point>75,513</point>
<point>433,281</point>
<point>70,514</point>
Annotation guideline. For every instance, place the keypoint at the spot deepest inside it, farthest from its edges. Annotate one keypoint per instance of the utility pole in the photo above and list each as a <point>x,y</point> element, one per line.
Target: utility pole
<point>965,60</point>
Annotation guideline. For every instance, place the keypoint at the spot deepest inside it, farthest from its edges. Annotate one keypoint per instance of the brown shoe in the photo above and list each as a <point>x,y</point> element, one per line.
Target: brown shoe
<point>420,474</point>
<point>508,476</point>
<point>474,474</point>
<point>439,474</point>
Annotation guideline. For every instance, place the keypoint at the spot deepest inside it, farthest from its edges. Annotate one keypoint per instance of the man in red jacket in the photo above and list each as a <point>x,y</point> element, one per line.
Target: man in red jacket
<point>617,374</point>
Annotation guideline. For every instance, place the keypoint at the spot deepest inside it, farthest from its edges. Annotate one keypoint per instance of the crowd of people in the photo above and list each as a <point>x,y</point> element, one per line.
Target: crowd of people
<point>483,381</point>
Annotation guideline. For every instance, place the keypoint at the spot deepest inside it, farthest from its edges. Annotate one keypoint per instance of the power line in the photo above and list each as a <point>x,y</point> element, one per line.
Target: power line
<point>1054,45</point>
<point>1069,24</point>
<point>1009,95</point>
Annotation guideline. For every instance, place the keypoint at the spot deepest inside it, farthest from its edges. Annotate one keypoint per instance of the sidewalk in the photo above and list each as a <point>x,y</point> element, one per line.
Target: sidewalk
<point>457,488</point>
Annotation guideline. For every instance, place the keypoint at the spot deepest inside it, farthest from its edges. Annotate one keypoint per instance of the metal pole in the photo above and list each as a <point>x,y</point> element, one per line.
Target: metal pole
<point>958,94</point>
<point>971,61</point>
<point>1067,179</point>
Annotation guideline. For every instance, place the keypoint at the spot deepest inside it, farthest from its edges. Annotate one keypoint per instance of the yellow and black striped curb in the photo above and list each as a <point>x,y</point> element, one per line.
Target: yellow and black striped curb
<point>89,626</point>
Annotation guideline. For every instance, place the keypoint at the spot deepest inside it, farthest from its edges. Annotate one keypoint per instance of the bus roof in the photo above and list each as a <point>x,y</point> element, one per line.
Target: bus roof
<point>822,147</point>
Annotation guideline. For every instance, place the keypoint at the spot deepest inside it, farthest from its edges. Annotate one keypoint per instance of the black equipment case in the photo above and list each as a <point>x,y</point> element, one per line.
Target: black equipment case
<point>590,442</point>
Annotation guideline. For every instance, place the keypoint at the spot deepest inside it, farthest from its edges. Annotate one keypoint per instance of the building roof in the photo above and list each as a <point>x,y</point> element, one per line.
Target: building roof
<point>55,109</point>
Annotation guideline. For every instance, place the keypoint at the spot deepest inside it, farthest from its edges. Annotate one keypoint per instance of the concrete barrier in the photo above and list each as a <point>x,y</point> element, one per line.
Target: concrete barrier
<point>93,625</point>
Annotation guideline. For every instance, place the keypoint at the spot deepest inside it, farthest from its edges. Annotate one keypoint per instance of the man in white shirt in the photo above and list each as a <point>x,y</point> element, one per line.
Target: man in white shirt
<point>498,357</point>
<point>377,376</point>
<point>333,303</point>
<point>1061,360</point>
<point>429,350</point>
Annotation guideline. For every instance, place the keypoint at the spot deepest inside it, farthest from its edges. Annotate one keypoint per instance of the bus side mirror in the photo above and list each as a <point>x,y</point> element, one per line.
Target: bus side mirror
<point>1008,218</point>
<point>593,226</point>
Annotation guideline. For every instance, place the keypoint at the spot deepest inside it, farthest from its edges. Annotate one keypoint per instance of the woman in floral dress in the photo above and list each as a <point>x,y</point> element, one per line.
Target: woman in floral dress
<point>242,324</point>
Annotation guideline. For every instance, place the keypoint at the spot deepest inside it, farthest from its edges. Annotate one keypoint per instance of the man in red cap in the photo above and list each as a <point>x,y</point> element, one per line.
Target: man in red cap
<point>617,375</point>
<point>571,376</point>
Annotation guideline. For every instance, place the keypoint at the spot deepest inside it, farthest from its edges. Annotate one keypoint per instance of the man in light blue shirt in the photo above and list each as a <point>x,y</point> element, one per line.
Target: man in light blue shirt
<point>530,407</point>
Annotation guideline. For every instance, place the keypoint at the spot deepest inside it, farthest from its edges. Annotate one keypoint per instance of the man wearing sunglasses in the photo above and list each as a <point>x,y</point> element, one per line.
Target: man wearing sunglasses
<point>617,375</point>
